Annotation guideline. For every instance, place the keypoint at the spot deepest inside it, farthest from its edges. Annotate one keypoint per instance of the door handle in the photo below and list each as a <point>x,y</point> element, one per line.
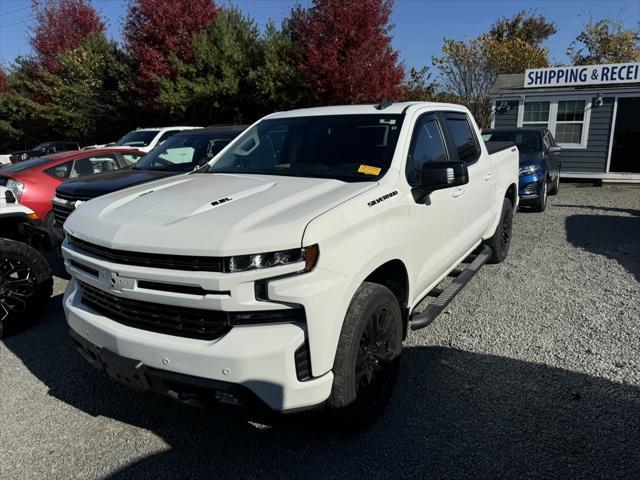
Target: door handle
<point>457,192</point>
<point>488,176</point>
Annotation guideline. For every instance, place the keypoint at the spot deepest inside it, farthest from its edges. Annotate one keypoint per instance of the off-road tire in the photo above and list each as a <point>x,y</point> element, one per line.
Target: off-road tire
<point>26,284</point>
<point>373,316</point>
<point>501,239</point>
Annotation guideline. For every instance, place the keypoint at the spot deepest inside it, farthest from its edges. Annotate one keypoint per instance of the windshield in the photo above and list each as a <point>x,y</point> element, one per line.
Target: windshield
<point>183,152</point>
<point>344,147</point>
<point>137,138</point>
<point>525,141</point>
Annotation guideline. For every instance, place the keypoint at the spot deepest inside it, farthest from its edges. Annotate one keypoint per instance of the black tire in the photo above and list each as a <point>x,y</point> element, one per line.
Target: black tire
<point>367,359</point>
<point>25,285</point>
<point>541,203</point>
<point>501,239</point>
<point>555,186</point>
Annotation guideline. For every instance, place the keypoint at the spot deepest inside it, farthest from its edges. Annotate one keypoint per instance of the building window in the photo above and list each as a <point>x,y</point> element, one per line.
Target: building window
<point>567,120</point>
<point>570,121</point>
<point>536,114</point>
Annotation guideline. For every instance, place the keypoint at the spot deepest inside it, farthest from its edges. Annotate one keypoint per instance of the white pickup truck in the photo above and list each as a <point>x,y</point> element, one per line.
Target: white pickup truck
<point>286,272</point>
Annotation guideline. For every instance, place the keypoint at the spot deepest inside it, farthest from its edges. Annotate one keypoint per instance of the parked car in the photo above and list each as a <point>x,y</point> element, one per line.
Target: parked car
<point>46,148</point>
<point>146,139</point>
<point>25,276</point>
<point>179,154</point>
<point>33,182</point>
<point>285,273</point>
<point>539,163</point>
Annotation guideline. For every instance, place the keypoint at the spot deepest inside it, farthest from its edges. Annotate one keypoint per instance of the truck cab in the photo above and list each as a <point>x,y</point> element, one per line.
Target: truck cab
<point>286,272</point>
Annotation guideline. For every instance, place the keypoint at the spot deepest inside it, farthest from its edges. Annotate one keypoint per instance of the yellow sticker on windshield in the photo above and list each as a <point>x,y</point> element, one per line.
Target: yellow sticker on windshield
<point>367,170</point>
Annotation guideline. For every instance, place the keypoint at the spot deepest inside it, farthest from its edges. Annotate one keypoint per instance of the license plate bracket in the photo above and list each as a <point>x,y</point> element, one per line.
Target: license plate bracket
<point>128,372</point>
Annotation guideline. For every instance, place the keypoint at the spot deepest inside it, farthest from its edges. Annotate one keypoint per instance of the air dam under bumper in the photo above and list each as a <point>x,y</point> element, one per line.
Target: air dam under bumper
<point>259,358</point>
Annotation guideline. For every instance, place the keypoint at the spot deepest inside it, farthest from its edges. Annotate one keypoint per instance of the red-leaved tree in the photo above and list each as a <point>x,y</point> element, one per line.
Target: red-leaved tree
<point>61,25</point>
<point>346,51</point>
<point>154,30</point>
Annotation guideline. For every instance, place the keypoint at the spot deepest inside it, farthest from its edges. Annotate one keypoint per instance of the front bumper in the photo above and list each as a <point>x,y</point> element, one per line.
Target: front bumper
<point>260,358</point>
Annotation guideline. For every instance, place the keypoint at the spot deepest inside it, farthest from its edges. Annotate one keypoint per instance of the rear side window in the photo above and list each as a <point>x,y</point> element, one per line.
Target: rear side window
<point>130,158</point>
<point>464,140</point>
<point>427,145</point>
<point>61,171</point>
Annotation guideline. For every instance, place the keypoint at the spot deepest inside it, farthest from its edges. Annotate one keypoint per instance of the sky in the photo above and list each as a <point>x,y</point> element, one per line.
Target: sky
<point>420,25</point>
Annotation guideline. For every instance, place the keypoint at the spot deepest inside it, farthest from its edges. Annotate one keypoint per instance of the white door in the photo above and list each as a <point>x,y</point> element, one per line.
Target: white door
<point>436,219</point>
<point>478,192</point>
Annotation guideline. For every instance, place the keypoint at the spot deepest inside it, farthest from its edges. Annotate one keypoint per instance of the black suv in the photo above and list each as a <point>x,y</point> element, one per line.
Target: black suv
<point>46,148</point>
<point>181,153</point>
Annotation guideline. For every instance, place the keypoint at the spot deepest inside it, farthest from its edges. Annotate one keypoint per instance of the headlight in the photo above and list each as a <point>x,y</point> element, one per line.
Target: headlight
<point>16,187</point>
<point>529,170</point>
<point>242,263</point>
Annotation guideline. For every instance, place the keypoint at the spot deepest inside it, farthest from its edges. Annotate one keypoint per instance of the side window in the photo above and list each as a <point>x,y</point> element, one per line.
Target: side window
<point>61,171</point>
<point>427,145</point>
<point>92,165</point>
<point>130,158</point>
<point>464,140</point>
<point>166,135</point>
<point>216,146</point>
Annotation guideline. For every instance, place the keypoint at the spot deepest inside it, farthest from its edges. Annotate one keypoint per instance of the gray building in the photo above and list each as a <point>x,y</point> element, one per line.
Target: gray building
<point>593,112</point>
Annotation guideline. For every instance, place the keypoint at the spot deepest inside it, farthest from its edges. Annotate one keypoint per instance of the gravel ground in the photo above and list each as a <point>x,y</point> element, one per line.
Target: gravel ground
<point>532,371</point>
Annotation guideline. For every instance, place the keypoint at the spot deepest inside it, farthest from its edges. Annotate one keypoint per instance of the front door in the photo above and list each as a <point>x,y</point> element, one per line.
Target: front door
<point>625,153</point>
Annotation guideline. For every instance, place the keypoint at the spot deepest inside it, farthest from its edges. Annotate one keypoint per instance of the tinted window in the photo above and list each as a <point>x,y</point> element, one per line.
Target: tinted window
<point>184,152</point>
<point>344,147</point>
<point>166,135</point>
<point>62,170</point>
<point>137,138</point>
<point>94,164</point>
<point>463,138</point>
<point>25,165</point>
<point>526,141</point>
<point>130,158</point>
<point>427,145</point>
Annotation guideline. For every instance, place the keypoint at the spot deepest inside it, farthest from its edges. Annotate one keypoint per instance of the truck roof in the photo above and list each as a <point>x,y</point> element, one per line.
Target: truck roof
<point>392,109</point>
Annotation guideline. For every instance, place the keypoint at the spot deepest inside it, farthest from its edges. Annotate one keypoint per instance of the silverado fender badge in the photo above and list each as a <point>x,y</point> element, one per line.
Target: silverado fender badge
<point>382,198</point>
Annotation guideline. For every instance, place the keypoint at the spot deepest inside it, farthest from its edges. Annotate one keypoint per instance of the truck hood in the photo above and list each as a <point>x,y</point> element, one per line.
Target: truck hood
<point>108,182</point>
<point>210,214</point>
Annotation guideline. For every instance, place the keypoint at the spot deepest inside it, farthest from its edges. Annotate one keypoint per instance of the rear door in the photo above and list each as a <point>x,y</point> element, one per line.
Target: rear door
<point>437,220</point>
<point>478,193</point>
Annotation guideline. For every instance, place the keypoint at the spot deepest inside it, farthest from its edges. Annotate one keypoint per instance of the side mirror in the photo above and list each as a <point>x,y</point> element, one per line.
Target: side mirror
<point>554,149</point>
<point>439,175</point>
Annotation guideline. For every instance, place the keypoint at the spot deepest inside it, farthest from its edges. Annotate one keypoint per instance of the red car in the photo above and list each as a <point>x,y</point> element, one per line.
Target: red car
<point>34,181</point>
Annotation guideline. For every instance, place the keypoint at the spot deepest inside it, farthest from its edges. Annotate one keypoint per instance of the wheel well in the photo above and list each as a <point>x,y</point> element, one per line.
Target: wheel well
<point>512,193</point>
<point>392,275</point>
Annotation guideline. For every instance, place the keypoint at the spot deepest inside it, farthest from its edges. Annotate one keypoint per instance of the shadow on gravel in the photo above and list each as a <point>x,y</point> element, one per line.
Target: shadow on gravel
<point>614,236</point>
<point>455,414</point>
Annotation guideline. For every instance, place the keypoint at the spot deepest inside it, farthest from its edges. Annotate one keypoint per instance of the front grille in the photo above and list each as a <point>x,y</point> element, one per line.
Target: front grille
<point>155,260</point>
<point>160,318</point>
<point>60,213</point>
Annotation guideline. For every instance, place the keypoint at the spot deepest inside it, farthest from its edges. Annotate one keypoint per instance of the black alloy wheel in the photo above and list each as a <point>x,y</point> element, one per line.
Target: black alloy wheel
<point>376,362</point>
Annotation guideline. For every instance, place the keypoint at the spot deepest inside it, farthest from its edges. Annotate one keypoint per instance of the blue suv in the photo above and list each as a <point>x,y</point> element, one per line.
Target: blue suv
<point>539,162</point>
